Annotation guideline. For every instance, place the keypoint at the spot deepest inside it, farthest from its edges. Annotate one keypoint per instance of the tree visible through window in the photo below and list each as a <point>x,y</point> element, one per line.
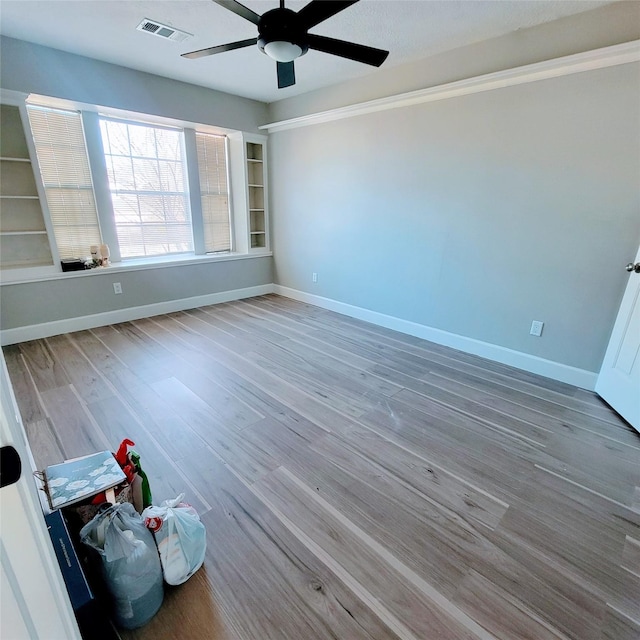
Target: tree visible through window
<point>147,180</point>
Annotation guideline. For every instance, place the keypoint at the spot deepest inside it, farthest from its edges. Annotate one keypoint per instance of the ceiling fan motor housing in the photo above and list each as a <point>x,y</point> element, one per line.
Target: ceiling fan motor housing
<point>282,25</point>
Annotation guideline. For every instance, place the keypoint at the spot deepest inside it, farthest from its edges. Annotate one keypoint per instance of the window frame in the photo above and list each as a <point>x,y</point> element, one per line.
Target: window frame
<point>184,193</point>
<point>236,185</point>
<point>91,118</point>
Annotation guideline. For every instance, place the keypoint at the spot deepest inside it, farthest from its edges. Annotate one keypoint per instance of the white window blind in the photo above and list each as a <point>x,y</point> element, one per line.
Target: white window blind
<point>214,191</point>
<point>146,171</point>
<point>62,156</point>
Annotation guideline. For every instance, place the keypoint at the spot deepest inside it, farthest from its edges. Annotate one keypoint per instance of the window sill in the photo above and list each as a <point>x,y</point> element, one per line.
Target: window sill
<point>34,274</point>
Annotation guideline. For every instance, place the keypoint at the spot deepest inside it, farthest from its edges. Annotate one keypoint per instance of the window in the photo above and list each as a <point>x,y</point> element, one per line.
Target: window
<point>214,192</point>
<point>146,171</point>
<point>62,156</point>
<point>145,189</point>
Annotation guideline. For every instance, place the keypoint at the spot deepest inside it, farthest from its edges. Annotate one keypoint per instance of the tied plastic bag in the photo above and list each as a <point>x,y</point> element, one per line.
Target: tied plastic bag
<point>180,536</point>
<point>130,564</point>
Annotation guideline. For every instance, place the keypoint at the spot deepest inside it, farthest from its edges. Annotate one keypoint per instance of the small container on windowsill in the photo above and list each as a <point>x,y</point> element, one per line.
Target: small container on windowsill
<point>105,254</point>
<point>72,264</point>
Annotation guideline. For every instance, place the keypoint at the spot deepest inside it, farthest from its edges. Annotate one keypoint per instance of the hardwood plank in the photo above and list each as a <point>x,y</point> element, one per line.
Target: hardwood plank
<point>581,460</point>
<point>146,361</point>
<point>433,539</point>
<point>539,585</point>
<point>228,408</point>
<point>346,396</point>
<point>314,408</point>
<point>541,405</point>
<point>78,432</point>
<point>420,609</point>
<point>107,362</point>
<point>82,374</point>
<point>46,372</point>
<point>431,480</point>
<point>512,427</point>
<point>278,364</point>
<point>343,370</point>
<point>46,447</point>
<point>478,455</point>
<point>23,385</point>
<point>500,612</point>
<point>267,583</point>
<point>166,476</point>
<point>631,555</point>
<point>246,325</point>
<point>617,626</point>
<point>558,423</point>
<point>250,461</point>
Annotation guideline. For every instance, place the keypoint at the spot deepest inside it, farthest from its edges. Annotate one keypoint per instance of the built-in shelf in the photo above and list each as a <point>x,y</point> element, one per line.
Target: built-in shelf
<point>255,155</point>
<point>23,237</point>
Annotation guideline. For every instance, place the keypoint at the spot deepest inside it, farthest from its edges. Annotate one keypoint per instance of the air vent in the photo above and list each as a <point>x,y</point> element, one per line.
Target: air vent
<point>163,30</point>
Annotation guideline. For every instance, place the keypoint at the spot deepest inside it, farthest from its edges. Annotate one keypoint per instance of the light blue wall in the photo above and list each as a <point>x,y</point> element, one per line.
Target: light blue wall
<point>31,68</point>
<point>474,215</point>
<point>88,294</point>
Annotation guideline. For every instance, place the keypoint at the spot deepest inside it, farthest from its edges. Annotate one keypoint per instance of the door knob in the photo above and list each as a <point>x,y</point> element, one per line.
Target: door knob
<point>10,466</point>
<point>633,267</point>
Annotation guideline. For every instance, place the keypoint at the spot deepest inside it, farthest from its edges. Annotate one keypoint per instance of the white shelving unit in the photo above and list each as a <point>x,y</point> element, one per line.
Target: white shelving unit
<point>24,241</point>
<point>255,154</point>
<point>250,196</point>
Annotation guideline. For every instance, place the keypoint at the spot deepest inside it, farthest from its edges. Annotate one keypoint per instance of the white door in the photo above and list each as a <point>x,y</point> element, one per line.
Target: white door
<point>34,603</point>
<point>619,379</point>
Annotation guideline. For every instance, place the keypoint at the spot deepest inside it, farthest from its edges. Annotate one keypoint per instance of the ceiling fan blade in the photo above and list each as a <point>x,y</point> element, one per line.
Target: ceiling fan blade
<point>221,48</point>
<point>240,9</point>
<point>318,10</point>
<point>286,75</point>
<point>350,50</point>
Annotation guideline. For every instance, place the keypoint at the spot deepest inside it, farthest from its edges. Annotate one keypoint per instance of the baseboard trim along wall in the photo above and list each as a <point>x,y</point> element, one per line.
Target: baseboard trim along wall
<point>47,329</point>
<point>548,368</point>
<point>534,364</point>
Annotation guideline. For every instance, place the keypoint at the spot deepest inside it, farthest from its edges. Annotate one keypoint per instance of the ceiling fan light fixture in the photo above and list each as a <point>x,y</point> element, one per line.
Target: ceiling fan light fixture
<point>283,51</point>
<point>284,36</point>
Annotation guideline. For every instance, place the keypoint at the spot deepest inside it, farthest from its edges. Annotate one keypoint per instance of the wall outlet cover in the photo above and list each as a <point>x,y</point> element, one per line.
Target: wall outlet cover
<point>536,328</point>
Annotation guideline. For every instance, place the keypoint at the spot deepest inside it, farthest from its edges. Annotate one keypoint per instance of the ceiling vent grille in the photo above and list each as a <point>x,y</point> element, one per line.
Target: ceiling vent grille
<point>163,31</point>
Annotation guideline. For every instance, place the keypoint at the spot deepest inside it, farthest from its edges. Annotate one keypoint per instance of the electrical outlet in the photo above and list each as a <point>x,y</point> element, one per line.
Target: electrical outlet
<point>117,288</point>
<point>314,277</point>
<point>536,328</point>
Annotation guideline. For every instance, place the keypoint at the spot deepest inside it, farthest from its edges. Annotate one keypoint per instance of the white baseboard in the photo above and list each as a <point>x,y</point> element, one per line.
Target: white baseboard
<point>548,368</point>
<point>46,329</point>
<point>518,359</point>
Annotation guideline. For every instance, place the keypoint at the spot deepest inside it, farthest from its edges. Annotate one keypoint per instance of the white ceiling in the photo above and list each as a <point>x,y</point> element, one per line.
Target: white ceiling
<point>409,29</point>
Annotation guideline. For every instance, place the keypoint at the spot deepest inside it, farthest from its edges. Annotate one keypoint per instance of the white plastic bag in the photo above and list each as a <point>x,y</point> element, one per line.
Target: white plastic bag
<point>180,536</point>
<point>130,564</point>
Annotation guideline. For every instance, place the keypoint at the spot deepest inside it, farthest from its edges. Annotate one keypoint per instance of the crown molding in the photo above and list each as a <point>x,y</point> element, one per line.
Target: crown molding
<point>567,65</point>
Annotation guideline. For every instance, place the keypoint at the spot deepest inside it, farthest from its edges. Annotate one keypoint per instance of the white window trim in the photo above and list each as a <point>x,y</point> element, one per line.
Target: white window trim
<point>102,191</point>
<point>238,207</point>
<point>91,113</point>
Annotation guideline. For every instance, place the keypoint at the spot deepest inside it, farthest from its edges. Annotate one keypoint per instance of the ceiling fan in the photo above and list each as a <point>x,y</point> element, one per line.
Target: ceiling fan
<point>283,35</point>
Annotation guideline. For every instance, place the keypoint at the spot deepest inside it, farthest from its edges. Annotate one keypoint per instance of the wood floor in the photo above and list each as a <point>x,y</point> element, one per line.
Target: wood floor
<point>355,482</point>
